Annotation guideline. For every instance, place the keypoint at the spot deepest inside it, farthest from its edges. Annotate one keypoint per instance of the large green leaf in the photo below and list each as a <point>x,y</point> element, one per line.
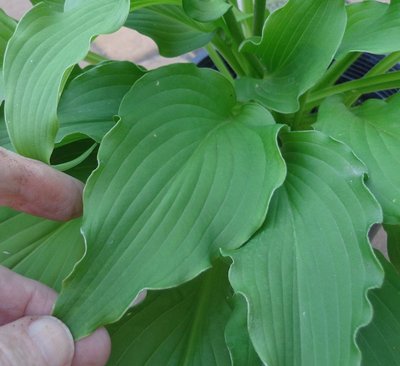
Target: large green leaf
<point>206,10</point>
<point>90,101</point>
<point>298,43</point>
<point>393,244</point>
<point>7,27</point>
<point>372,27</point>
<point>373,132</point>
<point>45,45</point>
<point>37,248</point>
<point>380,340</point>
<point>180,326</point>
<point>306,273</point>
<point>175,33</point>
<point>237,336</point>
<point>186,172</point>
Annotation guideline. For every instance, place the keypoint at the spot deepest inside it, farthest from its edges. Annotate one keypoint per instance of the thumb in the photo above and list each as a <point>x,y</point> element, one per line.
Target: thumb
<point>41,341</point>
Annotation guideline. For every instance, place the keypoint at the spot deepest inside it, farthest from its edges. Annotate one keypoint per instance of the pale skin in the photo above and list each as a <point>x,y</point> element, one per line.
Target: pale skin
<point>33,187</point>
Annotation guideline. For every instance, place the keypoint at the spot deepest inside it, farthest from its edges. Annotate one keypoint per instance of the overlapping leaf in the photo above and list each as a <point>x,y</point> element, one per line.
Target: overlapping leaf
<point>180,326</point>
<point>4,139</point>
<point>175,33</point>
<point>372,131</point>
<point>45,45</point>
<point>55,4</point>
<point>237,336</point>
<point>372,27</point>
<point>7,27</point>
<point>298,43</point>
<point>393,244</point>
<point>380,340</point>
<point>40,249</point>
<point>186,172</point>
<point>306,273</point>
<point>90,101</point>
<point>206,10</point>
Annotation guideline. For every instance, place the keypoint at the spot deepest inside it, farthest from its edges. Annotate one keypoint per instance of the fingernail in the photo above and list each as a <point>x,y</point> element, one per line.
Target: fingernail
<point>53,339</point>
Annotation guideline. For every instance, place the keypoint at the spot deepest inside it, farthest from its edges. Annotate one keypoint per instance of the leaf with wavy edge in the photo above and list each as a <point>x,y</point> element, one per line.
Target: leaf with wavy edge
<point>37,248</point>
<point>306,273</point>
<point>206,10</point>
<point>46,44</point>
<point>186,172</point>
<point>175,33</point>
<point>372,131</point>
<point>180,326</point>
<point>7,27</point>
<point>90,100</point>
<point>380,340</point>
<point>237,336</point>
<point>297,45</point>
<point>372,27</point>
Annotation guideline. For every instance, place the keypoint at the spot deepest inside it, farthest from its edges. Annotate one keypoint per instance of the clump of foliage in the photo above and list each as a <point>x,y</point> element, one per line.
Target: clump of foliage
<point>242,204</point>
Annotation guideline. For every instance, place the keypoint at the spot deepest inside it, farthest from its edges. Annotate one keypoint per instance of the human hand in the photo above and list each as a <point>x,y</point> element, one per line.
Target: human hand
<point>28,335</point>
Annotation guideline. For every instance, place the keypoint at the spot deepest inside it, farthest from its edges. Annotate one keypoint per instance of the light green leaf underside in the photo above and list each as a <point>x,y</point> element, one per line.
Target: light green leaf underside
<point>175,33</point>
<point>92,99</point>
<point>237,336</point>
<point>372,27</point>
<point>380,340</point>
<point>45,44</point>
<point>7,27</point>
<point>372,131</point>
<point>298,43</point>
<point>180,326</point>
<point>41,249</point>
<point>306,273</point>
<point>393,244</point>
<point>205,10</point>
<point>186,172</point>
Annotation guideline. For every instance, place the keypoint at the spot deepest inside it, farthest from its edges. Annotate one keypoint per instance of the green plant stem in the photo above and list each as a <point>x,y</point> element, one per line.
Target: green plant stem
<point>219,62</point>
<point>380,68</point>
<point>94,58</point>
<point>298,117</point>
<point>364,85</point>
<point>260,8</point>
<point>253,65</point>
<point>337,70</point>
<point>228,55</point>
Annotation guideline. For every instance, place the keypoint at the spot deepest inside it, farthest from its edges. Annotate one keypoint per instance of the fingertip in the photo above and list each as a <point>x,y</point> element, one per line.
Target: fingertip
<point>93,350</point>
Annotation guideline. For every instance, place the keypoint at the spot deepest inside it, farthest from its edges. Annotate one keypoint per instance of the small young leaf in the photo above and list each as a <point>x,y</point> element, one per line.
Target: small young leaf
<point>175,33</point>
<point>206,10</point>
<point>180,326</point>
<point>372,131</point>
<point>185,172</point>
<point>380,340</point>
<point>41,249</point>
<point>90,101</point>
<point>306,273</point>
<point>372,27</point>
<point>298,43</point>
<point>46,44</point>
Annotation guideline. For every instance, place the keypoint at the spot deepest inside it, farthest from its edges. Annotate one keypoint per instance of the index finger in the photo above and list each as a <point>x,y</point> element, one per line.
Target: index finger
<point>33,187</point>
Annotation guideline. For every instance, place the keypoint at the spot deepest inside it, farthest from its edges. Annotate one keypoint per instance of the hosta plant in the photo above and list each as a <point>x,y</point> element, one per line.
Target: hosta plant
<point>240,198</point>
